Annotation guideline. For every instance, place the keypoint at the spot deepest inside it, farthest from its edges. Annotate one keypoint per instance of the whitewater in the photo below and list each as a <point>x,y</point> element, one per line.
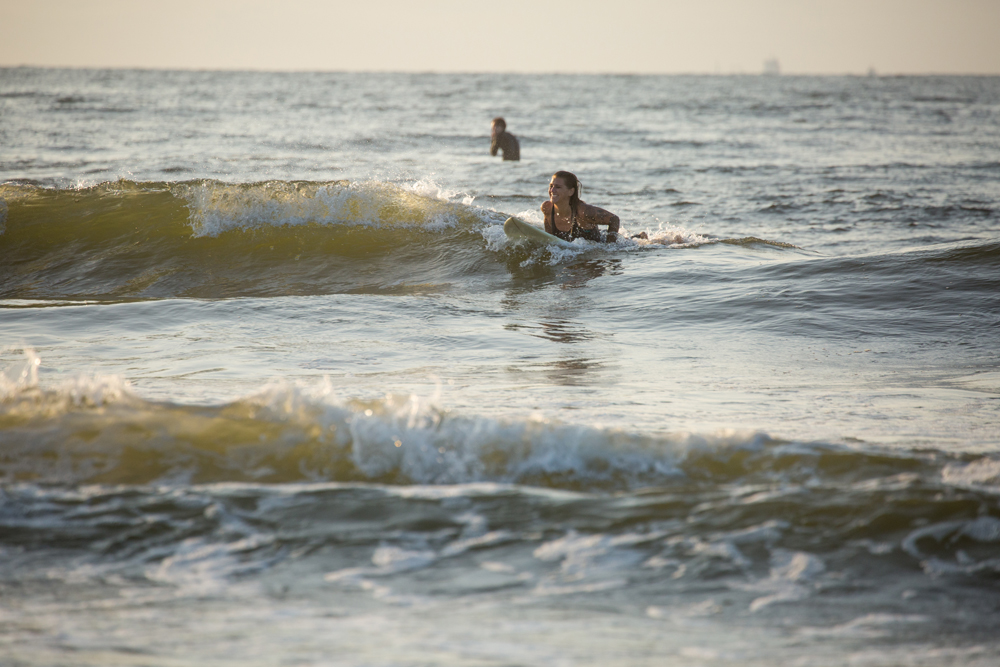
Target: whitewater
<point>275,388</point>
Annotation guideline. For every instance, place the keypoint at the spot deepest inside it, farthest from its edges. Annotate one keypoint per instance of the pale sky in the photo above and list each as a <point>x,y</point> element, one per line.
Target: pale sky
<point>628,36</point>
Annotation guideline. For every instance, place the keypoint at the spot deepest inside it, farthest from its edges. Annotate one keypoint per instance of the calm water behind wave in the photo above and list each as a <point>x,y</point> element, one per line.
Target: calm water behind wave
<point>276,388</point>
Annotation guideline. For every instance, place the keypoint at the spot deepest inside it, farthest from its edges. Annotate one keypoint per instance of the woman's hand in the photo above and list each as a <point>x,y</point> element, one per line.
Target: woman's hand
<point>614,224</point>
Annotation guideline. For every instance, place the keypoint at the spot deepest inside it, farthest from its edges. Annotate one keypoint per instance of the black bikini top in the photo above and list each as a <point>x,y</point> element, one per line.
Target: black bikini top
<point>574,230</point>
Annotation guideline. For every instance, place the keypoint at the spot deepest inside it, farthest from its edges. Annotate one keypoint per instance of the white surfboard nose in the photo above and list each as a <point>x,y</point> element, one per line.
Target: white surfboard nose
<point>519,230</point>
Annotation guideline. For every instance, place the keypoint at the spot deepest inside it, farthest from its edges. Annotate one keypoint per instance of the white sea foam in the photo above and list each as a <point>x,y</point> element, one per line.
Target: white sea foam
<point>983,529</point>
<point>216,208</point>
<point>667,234</point>
<point>202,567</point>
<point>768,532</point>
<point>80,390</point>
<point>386,560</point>
<point>410,435</point>
<point>984,471</point>
<point>391,559</point>
<point>791,579</point>
<point>20,373</point>
<point>590,563</point>
<point>496,238</point>
<point>489,539</point>
<point>868,626</point>
<point>426,187</point>
<point>96,390</point>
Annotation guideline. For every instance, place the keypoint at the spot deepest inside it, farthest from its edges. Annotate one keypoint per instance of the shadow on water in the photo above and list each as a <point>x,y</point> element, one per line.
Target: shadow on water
<point>556,330</point>
<point>578,275</point>
<point>563,331</point>
<point>572,372</point>
<point>530,276</point>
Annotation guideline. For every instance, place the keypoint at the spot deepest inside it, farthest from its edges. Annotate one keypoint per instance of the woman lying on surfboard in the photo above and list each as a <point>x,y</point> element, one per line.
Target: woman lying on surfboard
<point>569,218</point>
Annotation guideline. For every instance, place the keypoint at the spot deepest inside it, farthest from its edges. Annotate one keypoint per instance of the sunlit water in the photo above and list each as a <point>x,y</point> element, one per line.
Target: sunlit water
<point>278,390</point>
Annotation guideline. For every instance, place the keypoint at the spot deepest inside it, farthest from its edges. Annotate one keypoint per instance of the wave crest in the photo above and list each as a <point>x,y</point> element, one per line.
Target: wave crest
<point>99,431</point>
<point>208,239</point>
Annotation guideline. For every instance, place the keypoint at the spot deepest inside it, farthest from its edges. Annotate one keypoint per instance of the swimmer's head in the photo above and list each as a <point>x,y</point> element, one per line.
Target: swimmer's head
<point>571,182</point>
<point>499,123</point>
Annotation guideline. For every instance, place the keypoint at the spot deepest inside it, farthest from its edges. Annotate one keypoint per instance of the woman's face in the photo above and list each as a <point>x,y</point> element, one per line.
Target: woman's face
<point>558,192</point>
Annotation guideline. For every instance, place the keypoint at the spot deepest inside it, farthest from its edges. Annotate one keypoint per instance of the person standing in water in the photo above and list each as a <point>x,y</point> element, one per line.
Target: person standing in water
<point>567,217</point>
<point>501,139</point>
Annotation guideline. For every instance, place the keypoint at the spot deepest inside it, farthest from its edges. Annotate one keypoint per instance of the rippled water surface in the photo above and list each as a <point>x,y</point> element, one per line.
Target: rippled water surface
<point>277,389</point>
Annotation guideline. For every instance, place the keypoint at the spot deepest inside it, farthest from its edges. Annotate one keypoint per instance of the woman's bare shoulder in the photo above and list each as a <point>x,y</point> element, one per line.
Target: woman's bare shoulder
<point>546,205</point>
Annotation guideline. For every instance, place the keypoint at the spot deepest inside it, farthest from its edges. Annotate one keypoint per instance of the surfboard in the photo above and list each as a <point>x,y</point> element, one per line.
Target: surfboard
<point>519,230</point>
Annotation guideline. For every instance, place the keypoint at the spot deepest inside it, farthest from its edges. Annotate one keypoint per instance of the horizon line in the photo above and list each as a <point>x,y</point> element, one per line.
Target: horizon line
<point>872,72</point>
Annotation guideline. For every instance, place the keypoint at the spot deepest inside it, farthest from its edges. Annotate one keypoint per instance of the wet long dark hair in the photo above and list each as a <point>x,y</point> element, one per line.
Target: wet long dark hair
<point>573,183</point>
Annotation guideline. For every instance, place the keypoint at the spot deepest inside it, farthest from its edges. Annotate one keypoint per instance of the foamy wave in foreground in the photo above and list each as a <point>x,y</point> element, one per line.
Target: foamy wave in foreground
<point>96,429</point>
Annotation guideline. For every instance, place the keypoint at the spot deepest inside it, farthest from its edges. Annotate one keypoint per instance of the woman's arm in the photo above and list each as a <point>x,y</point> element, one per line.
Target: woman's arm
<point>549,226</point>
<point>592,216</point>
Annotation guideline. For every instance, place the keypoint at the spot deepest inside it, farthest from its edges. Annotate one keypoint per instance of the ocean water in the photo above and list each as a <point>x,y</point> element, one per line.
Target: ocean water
<point>275,389</point>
